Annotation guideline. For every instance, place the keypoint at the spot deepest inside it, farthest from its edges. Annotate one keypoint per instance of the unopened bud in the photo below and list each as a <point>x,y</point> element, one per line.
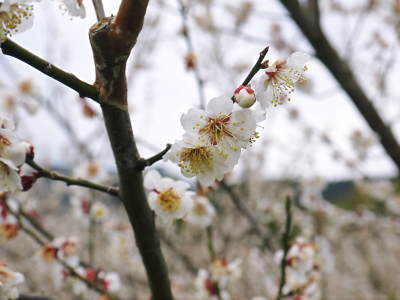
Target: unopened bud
<point>27,181</point>
<point>244,96</point>
<point>190,61</point>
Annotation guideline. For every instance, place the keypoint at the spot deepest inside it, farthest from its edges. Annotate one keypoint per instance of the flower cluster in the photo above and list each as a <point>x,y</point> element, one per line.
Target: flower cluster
<point>302,270</point>
<point>8,283</point>
<point>212,284</point>
<point>215,137</point>
<point>74,8</point>
<point>213,140</point>
<point>12,156</point>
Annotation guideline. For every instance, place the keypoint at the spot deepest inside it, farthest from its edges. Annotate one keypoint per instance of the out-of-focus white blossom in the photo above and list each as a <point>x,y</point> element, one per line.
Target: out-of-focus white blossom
<point>8,283</point>
<point>202,212</point>
<point>168,198</point>
<point>279,79</point>
<point>99,212</point>
<point>110,281</point>
<point>302,270</point>
<point>74,8</point>
<point>67,250</point>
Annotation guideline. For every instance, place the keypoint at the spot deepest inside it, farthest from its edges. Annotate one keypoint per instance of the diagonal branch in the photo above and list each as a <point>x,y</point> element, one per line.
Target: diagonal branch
<point>84,89</point>
<point>341,71</point>
<point>72,181</point>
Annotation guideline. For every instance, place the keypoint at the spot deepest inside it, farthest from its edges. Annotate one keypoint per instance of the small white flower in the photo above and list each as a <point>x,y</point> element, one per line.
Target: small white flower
<point>279,79</point>
<point>74,8</point>
<point>8,282</point>
<point>67,250</point>
<point>220,126</point>
<point>244,96</point>
<point>99,212</point>
<point>202,212</point>
<point>168,198</point>
<point>12,156</point>
<point>15,16</point>
<point>110,281</point>
<point>9,177</point>
<point>204,161</point>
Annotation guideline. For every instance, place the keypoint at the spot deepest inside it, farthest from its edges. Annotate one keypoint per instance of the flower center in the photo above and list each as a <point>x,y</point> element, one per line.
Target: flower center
<point>217,128</point>
<point>196,160</point>
<point>169,200</point>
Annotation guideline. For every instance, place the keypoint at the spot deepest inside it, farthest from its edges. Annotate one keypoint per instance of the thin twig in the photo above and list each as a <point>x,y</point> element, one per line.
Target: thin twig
<point>245,211</point>
<point>210,243</point>
<point>33,297</point>
<point>143,163</point>
<point>183,257</point>
<point>189,43</point>
<point>257,66</point>
<point>286,245</point>
<point>72,181</point>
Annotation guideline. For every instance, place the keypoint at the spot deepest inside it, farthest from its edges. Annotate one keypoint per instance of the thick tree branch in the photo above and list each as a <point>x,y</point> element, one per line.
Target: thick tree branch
<point>112,40</point>
<point>72,181</point>
<point>84,89</point>
<point>345,77</point>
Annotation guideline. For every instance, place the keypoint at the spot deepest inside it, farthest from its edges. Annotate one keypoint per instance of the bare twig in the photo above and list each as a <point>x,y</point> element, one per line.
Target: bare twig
<point>183,257</point>
<point>257,66</point>
<point>143,163</point>
<point>190,47</point>
<point>245,211</point>
<point>33,297</point>
<point>72,181</point>
<point>286,245</point>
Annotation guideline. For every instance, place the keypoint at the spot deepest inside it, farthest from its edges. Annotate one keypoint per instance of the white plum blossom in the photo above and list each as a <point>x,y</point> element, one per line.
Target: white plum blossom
<point>168,198</point>
<point>99,212</point>
<point>8,283</point>
<point>15,16</point>
<point>110,281</point>
<point>302,270</point>
<point>67,250</point>
<point>206,162</point>
<point>74,8</point>
<point>279,79</point>
<point>202,212</point>
<point>218,125</point>
<point>244,96</point>
<point>12,156</point>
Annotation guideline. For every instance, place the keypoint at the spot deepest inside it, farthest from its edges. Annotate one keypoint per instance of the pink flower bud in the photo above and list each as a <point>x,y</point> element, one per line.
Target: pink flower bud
<point>244,96</point>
